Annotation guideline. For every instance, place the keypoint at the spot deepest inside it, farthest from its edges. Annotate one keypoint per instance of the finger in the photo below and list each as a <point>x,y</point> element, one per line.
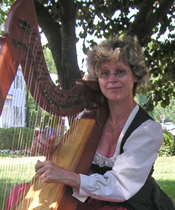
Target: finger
<point>52,138</point>
<point>38,147</point>
<point>51,141</point>
<point>41,139</point>
<point>44,178</point>
<point>46,143</point>
<point>39,166</point>
<point>33,146</point>
<point>36,144</point>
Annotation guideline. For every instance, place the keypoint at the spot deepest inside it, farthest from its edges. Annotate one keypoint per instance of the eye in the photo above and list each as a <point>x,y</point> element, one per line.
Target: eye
<point>104,73</point>
<point>121,72</point>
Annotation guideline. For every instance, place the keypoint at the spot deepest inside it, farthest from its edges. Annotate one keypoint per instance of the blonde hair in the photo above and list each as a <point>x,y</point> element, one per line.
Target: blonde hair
<point>124,48</point>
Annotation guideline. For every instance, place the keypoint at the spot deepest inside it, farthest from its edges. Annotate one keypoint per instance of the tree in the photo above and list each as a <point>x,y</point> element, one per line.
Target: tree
<point>105,18</point>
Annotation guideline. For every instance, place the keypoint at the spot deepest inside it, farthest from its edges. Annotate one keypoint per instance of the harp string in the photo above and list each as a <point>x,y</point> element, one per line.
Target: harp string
<point>34,69</point>
<point>11,167</point>
<point>36,154</point>
<point>36,94</point>
<point>63,142</point>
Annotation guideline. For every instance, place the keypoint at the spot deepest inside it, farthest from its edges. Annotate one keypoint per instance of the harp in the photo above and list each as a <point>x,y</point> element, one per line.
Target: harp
<point>20,45</point>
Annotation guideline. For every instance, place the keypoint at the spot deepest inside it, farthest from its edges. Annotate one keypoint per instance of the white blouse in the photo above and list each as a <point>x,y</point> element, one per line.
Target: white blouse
<point>129,169</point>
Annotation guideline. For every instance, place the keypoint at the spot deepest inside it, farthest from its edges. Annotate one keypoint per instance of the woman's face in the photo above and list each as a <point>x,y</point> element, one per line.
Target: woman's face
<point>116,80</point>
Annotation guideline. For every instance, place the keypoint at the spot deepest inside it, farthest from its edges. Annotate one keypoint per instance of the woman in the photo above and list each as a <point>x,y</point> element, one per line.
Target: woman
<point>120,176</point>
<point>126,164</point>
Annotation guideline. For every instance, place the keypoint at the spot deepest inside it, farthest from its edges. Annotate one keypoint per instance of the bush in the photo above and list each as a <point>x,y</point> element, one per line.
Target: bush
<point>16,138</point>
<point>168,146</point>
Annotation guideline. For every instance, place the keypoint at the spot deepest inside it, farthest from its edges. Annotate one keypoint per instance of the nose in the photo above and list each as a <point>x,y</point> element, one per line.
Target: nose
<point>112,77</point>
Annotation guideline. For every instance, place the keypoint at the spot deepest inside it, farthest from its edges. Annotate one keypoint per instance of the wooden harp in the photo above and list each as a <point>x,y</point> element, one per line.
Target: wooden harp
<point>20,45</point>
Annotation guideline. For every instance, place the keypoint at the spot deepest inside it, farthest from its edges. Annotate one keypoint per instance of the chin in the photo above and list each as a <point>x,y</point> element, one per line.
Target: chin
<point>114,98</point>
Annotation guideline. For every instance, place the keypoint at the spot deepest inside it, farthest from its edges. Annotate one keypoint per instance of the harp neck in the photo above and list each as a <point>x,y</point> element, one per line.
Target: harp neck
<point>21,45</point>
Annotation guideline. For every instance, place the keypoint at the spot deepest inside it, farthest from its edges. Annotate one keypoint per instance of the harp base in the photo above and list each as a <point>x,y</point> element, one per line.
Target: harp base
<point>53,196</point>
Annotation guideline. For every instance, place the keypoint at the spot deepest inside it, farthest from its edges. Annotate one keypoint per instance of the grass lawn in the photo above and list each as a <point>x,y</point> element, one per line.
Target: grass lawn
<point>164,174</point>
<point>9,175</point>
<point>14,171</point>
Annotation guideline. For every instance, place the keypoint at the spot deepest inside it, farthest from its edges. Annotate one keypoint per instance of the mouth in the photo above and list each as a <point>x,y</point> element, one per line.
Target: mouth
<point>113,88</point>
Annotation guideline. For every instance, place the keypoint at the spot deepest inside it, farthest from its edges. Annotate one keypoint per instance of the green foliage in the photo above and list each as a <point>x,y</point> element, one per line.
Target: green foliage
<point>16,138</point>
<point>96,20</point>
<point>49,61</point>
<point>165,151</point>
<point>158,111</point>
<point>168,112</point>
<point>160,60</point>
<point>4,9</point>
<point>31,109</point>
<point>47,120</point>
<point>141,99</point>
<point>168,146</point>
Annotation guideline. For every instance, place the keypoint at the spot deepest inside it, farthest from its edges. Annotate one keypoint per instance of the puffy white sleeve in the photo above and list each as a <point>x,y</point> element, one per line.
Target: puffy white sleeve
<point>130,170</point>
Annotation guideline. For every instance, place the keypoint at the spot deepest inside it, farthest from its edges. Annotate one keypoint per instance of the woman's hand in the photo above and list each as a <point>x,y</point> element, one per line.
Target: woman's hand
<point>43,145</point>
<point>52,173</point>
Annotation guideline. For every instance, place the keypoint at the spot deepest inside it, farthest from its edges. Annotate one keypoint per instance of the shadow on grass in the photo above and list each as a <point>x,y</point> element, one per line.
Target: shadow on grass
<point>5,189</point>
<point>168,187</point>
